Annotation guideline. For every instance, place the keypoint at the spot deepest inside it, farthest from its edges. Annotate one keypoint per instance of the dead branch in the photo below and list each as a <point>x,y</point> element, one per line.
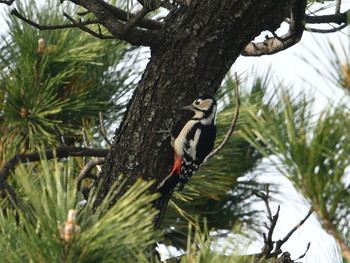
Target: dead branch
<point>337,18</point>
<point>103,129</point>
<point>85,172</point>
<point>279,243</point>
<point>58,135</point>
<point>122,15</point>
<point>107,19</point>
<point>269,244</point>
<point>60,152</point>
<point>86,29</point>
<point>326,31</point>
<point>50,27</point>
<point>273,45</point>
<point>7,2</point>
<point>232,125</point>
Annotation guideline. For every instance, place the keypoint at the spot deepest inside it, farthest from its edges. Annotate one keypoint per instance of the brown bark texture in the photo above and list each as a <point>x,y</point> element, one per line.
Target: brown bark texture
<point>198,45</point>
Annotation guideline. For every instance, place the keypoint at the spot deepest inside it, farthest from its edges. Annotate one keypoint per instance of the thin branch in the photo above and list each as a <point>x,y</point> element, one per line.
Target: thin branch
<point>85,172</point>
<point>50,27</point>
<point>58,135</point>
<point>135,20</point>
<point>337,6</point>
<point>232,125</point>
<point>338,18</point>
<point>303,255</point>
<point>103,129</point>
<point>7,2</point>
<point>122,15</point>
<point>86,29</point>
<point>60,152</point>
<point>279,243</point>
<point>108,20</point>
<point>326,31</point>
<point>293,36</point>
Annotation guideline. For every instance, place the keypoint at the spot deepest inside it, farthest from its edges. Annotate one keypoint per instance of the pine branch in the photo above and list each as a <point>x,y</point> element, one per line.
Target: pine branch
<point>60,152</point>
<point>276,44</point>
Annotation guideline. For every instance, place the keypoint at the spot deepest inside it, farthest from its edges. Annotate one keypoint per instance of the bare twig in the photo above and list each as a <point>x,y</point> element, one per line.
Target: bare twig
<point>325,31</point>
<point>303,255</point>
<point>85,172</point>
<point>337,6</point>
<point>7,2</point>
<point>51,27</point>
<point>85,138</point>
<point>58,135</point>
<point>265,198</point>
<point>232,126</point>
<point>103,130</point>
<point>268,242</point>
<point>86,29</point>
<point>60,152</point>
<point>279,243</point>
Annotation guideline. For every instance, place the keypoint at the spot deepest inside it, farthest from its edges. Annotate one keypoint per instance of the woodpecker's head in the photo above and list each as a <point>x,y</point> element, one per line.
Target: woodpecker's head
<point>204,108</point>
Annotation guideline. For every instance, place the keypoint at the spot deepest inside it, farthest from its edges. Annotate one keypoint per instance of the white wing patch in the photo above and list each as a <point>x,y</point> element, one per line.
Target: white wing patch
<point>193,144</point>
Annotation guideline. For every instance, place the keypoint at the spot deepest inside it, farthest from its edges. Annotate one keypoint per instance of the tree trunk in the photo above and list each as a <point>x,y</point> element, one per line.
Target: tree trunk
<point>201,41</point>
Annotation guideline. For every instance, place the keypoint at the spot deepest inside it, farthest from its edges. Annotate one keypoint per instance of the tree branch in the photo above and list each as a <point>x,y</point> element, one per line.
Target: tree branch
<point>122,15</point>
<point>232,126</point>
<point>7,2</point>
<point>51,27</point>
<point>268,242</point>
<point>279,243</point>
<point>60,152</point>
<point>337,18</point>
<point>84,173</point>
<point>277,44</point>
<point>103,130</point>
<point>326,31</point>
<point>86,29</point>
<point>107,19</point>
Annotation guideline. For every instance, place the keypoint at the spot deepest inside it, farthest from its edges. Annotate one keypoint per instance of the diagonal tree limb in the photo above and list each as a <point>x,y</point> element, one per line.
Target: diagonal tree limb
<point>107,19</point>
<point>60,152</point>
<point>86,29</point>
<point>84,173</point>
<point>293,36</point>
<point>49,27</point>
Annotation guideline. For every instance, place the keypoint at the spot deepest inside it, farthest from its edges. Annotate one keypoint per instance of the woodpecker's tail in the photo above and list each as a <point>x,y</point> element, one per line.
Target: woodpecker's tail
<point>168,183</point>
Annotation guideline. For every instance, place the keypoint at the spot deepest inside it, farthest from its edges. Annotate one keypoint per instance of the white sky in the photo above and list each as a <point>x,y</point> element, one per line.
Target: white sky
<point>289,67</point>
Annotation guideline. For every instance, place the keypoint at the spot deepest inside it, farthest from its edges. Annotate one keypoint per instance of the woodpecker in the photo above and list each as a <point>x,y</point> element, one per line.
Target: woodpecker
<point>193,144</point>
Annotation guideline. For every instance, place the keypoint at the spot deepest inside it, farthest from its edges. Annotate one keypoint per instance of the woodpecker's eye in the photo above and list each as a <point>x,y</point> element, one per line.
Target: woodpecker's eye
<point>197,102</point>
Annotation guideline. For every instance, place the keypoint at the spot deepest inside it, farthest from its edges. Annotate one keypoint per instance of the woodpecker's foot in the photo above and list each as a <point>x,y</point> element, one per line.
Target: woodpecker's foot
<point>169,127</point>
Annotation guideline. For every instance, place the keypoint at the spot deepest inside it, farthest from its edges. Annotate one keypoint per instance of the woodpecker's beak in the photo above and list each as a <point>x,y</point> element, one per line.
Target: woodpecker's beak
<point>188,107</point>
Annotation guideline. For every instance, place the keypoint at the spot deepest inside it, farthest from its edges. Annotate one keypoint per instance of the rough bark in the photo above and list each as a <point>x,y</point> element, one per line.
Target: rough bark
<point>200,42</point>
